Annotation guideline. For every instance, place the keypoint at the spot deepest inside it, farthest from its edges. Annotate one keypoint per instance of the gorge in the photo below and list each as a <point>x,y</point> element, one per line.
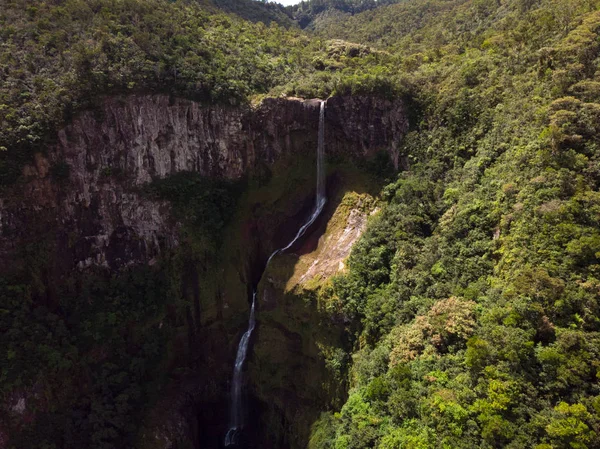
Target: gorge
<point>341,224</point>
<point>114,154</point>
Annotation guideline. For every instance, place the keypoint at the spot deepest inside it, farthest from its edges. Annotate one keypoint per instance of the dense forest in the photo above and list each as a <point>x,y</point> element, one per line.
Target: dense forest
<point>472,301</point>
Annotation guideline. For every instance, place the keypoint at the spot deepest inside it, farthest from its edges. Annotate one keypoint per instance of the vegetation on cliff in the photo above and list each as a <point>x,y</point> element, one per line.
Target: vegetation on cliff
<point>59,57</point>
<point>472,301</point>
<point>477,286</point>
<point>86,355</point>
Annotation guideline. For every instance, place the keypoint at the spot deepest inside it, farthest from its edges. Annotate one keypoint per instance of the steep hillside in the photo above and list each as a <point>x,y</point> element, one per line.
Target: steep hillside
<point>58,58</point>
<point>257,11</point>
<point>475,287</point>
<point>308,14</point>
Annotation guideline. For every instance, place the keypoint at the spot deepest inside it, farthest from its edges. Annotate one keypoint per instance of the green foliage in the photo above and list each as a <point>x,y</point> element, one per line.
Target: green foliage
<point>472,299</point>
<point>257,11</point>
<point>204,204</point>
<point>59,57</point>
<point>309,11</point>
<point>83,363</point>
<point>568,427</point>
<point>475,286</point>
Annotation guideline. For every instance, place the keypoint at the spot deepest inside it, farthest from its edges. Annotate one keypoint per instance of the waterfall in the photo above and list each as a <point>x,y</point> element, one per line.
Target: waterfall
<point>236,417</point>
<point>321,199</point>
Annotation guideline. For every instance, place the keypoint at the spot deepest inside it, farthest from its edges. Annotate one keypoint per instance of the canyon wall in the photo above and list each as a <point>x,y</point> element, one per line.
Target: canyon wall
<point>82,205</point>
<point>85,189</point>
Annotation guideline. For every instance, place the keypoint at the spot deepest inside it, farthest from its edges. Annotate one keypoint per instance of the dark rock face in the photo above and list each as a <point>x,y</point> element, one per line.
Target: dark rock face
<point>360,126</point>
<point>97,217</point>
<point>94,214</point>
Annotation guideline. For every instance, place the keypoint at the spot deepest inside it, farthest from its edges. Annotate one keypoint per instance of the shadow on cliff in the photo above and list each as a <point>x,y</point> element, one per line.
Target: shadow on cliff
<point>289,382</point>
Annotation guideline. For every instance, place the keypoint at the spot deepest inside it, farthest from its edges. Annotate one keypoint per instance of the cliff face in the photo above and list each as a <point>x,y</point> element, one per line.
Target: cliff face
<point>82,204</point>
<point>361,126</point>
<point>86,186</point>
<point>292,368</point>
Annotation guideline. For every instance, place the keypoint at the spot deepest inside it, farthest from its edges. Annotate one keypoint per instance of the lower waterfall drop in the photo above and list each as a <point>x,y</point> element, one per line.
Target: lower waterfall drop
<point>236,419</point>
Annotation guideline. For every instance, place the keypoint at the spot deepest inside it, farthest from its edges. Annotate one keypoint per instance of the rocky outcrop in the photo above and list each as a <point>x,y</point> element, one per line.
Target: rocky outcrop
<point>83,193</point>
<point>361,126</point>
<point>343,230</point>
<point>154,136</point>
<point>295,337</point>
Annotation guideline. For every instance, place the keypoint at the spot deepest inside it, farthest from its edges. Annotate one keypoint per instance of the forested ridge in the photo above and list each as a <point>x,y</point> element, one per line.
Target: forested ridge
<point>476,287</point>
<point>472,301</point>
<point>58,58</point>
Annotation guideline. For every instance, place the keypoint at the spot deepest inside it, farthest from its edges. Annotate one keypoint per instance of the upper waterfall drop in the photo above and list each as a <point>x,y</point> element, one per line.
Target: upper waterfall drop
<point>321,197</point>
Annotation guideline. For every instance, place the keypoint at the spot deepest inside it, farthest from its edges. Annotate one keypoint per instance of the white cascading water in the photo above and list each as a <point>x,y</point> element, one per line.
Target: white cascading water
<point>321,198</point>
<point>236,417</point>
